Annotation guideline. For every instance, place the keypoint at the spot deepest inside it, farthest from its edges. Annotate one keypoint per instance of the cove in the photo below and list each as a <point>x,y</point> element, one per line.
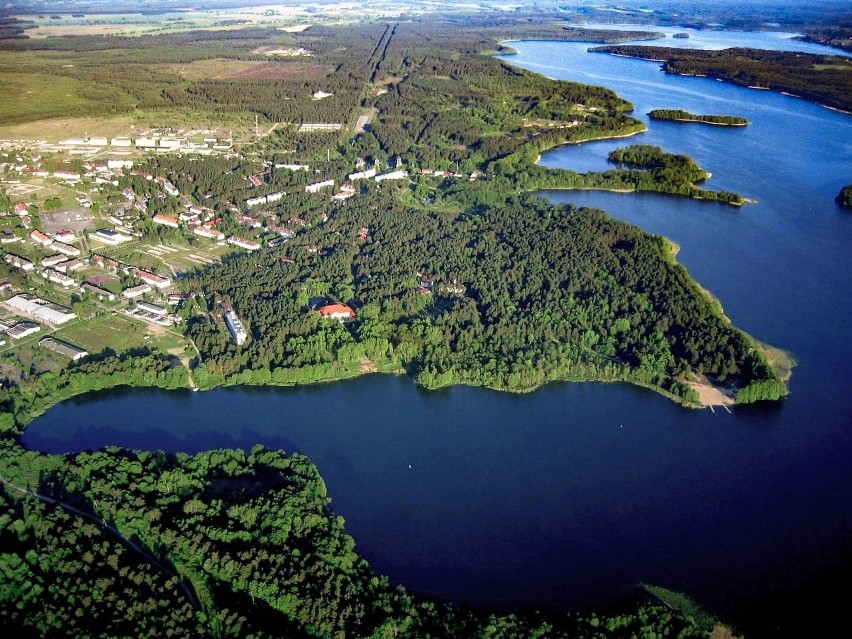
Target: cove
<point>568,496</point>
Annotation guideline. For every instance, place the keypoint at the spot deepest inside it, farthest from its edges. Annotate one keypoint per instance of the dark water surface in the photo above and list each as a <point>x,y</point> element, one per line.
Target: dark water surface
<point>568,496</point>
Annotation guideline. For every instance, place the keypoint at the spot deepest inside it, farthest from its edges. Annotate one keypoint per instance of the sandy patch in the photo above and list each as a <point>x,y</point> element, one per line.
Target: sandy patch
<point>708,394</point>
<point>368,366</point>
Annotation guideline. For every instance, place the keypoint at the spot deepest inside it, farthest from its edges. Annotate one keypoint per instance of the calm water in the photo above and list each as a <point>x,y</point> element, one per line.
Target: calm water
<point>569,496</point>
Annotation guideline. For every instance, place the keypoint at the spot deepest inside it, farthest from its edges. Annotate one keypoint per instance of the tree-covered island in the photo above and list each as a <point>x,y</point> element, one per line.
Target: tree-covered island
<point>824,79</point>
<point>384,175</point>
<point>679,115</point>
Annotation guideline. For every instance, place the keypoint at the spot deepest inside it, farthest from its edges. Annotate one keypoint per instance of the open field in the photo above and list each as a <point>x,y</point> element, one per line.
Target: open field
<point>220,69</point>
<point>117,332</point>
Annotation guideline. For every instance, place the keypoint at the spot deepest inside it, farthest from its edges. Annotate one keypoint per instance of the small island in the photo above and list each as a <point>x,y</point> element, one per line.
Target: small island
<point>679,115</point>
<point>844,198</point>
<point>681,36</point>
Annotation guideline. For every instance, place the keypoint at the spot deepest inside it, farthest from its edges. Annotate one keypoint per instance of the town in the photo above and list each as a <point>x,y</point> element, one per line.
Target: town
<point>85,257</point>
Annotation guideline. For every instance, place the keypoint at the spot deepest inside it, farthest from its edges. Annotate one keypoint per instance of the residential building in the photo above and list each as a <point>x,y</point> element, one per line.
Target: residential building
<point>66,249</point>
<point>153,279</point>
<point>209,233</point>
<point>235,327</point>
<point>136,291</point>
<point>18,262</point>
<point>40,238</point>
<point>340,312</point>
<point>56,277</point>
<point>166,220</point>
<point>248,245</point>
<point>313,188</point>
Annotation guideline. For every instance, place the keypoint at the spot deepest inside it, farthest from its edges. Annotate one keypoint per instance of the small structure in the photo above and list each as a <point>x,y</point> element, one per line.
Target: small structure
<point>136,291</point>
<point>248,245</point>
<point>235,327</point>
<point>313,188</point>
<point>153,279</point>
<point>210,233</point>
<point>340,312</point>
<point>110,237</point>
<point>22,329</point>
<point>156,309</point>
<point>101,293</point>
<point>63,348</point>
<point>66,249</point>
<point>166,220</point>
<point>57,277</point>
<point>392,175</point>
<point>18,262</point>
<point>40,238</point>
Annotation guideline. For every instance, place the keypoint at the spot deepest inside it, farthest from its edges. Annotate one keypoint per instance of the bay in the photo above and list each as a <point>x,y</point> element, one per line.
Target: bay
<point>569,496</point>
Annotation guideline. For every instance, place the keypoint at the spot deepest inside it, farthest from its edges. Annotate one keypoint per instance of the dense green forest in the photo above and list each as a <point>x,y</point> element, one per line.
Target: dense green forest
<point>223,544</point>
<point>679,115</point>
<point>825,79</point>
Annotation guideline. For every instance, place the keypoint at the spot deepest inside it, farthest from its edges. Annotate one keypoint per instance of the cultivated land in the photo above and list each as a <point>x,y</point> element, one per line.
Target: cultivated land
<point>304,227</point>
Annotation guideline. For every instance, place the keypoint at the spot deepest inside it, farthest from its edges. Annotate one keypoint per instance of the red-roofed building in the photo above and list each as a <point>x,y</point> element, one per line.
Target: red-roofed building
<point>340,312</point>
<point>22,209</point>
<point>166,220</point>
<point>40,238</point>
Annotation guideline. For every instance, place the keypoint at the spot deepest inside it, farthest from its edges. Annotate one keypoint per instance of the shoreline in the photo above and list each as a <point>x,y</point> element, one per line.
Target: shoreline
<point>595,139</point>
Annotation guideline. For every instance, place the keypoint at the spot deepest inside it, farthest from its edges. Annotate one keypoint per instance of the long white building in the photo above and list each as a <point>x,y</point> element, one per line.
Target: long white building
<point>235,326</point>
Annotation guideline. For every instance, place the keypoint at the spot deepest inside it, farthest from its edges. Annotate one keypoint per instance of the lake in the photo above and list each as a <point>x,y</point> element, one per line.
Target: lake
<point>569,496</point>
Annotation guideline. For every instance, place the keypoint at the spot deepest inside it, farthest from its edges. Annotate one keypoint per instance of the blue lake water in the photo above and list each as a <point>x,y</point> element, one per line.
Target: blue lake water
<point>569,496</point>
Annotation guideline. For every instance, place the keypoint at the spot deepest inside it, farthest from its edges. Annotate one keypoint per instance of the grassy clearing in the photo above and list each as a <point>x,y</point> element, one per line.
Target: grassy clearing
<point>105,331</point>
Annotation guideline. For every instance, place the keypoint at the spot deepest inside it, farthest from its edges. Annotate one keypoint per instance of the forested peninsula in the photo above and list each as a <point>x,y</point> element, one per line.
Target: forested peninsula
<point>450,269</point>
<point>679,115</point>
<point>824,79</point>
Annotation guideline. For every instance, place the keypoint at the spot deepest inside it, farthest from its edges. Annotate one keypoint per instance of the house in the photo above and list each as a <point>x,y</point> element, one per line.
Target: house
<point>235,327</point>
<point>340,312</point>
<point>392,175</point>
<point>21,209</point>
<point>210,233</point>
<point>18,262</point>
<point>64,236</point>
<point>68,265</point>
<point>362,175</point>
<point>100,293</point>
<point>56,277</point>
<point>136,291</point>
<point>166,220</point>
<point>53,260</point>
<point>248,220</point>
<point>153,279</point>
<point>71,176</point>
<point>40,238</point>
<point>248,245</point>
<point>65,249</point>
<point>313,188</point>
